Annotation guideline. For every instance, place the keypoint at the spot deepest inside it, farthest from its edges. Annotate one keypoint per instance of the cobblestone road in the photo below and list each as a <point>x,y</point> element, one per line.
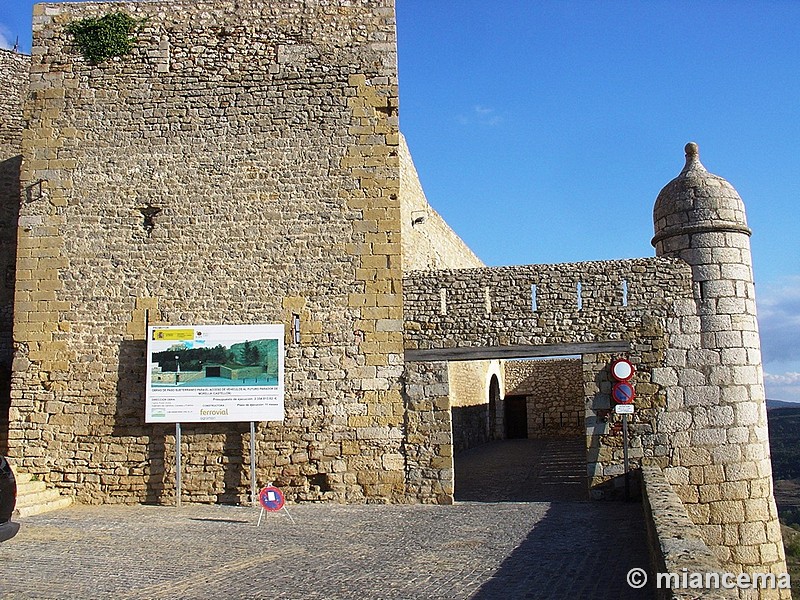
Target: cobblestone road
<point>487,551</point>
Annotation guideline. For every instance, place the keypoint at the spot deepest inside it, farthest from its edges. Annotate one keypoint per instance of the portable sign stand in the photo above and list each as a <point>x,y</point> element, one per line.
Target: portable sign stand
<point>272,500</point>
<point>623,394</point>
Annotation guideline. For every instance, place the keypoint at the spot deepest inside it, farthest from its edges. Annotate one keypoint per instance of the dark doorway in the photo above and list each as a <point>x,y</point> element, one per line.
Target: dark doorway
<point>213,372</point>
<point>516,417</point>
<point>494,400</point>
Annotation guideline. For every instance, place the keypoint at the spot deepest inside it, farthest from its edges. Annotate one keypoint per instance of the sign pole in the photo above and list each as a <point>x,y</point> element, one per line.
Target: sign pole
<point>178,465</point>
<point>625,456</point>
<point>253,493</point>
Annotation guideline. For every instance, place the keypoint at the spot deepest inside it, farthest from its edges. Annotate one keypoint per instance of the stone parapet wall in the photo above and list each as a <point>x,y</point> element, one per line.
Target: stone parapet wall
<point>240,166</point>
<point>14,76</point>
<point>571,302</point>
<point>676,544</point>
<point>554,393</point>
<point>630,301</point>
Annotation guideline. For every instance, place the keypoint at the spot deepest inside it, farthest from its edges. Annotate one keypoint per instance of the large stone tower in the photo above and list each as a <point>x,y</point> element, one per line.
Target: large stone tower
<point>725,467</point>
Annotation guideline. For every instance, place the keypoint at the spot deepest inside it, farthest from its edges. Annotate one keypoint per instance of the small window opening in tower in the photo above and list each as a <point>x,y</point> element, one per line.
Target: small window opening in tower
<point>624,292</point>
<point>442,301</point>
<point>580,296</point>
<point>534,306</point>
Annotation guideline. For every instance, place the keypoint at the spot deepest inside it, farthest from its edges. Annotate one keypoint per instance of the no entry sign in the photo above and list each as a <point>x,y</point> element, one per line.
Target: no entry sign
<point>622,369</point>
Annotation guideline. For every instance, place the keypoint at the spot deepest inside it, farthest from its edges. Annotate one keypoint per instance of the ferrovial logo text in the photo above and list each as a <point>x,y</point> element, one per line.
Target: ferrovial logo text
<point>688,580</point>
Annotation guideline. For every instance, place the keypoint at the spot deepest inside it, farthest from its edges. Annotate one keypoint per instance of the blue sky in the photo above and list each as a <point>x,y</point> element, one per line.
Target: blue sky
<point>543,130</point>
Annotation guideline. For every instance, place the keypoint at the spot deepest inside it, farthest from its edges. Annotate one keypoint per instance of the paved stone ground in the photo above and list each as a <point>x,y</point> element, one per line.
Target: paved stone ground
<point>547,470</point>
<point>480,550</point>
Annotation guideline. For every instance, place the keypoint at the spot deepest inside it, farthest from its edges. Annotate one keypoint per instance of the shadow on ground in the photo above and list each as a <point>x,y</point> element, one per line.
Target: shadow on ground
<point>566,555</point>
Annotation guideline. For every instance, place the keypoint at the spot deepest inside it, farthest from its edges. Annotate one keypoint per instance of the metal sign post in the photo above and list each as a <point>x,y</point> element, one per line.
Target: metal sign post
<point>625,456</point>
<point>178,465</point>
<point>623,393</point>
<point>253,492</point>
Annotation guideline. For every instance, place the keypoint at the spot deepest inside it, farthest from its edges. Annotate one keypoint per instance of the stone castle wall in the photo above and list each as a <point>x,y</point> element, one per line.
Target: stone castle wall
<point>632,302</point>
<point>14,74</point>
<point>553,390</point>
<point>429,243</point>
<point>240,166</point>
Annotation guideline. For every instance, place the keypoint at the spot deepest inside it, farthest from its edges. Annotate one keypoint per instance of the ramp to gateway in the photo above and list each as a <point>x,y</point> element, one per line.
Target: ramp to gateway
<point>522,470</point>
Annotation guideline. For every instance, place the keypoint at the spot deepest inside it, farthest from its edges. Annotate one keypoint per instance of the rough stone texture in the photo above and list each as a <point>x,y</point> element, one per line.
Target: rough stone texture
<point>265,138</point>
<point>244,165</point>
<point>428,242</point>
<point>469,401</point>
<point>554,393</point>
<point>429,432</point>
<point>676,544</point>
<point>716,420</point>
<point>654,289</point>
<point>14,69</point>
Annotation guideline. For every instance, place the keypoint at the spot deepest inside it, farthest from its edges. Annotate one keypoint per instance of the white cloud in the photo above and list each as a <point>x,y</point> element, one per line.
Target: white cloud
<point>785,379</point>
<point>782,387</point>
<point>5,38</point>
<point>779,320</point>
<point>481,115</point>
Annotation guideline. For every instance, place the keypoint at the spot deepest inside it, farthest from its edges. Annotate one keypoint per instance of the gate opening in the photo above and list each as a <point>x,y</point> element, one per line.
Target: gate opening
<point>534,447</point>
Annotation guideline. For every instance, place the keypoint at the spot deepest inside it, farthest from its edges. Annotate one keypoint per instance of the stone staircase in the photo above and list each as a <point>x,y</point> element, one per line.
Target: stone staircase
<point>34,498</point>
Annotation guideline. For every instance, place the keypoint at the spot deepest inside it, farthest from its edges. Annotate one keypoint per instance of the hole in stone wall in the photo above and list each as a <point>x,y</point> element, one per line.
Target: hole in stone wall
<point>442,301</point>
<point>386,110</point>
<point>580,296</point>
<point>534,307</point>
<point>320,480</point>
<point>149,213</point>
<point>624,292</point>
<point>488,299</point>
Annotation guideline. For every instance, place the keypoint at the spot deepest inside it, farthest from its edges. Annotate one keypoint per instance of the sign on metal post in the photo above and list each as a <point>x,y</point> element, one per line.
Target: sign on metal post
<point>622,369</point>
<point>272,500</point>
<point>623,394</point>
<point>214,373</point>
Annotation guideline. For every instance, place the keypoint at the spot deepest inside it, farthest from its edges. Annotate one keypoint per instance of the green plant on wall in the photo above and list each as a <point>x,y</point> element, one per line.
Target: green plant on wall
<point>106,37</point>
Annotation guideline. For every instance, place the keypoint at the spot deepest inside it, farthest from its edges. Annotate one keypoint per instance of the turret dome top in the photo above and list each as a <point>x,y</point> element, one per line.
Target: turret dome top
<point>697,201</point>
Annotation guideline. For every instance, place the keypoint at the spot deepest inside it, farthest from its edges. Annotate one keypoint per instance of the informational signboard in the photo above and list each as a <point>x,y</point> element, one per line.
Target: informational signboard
<point>624,409</point>
<point>213,373</point>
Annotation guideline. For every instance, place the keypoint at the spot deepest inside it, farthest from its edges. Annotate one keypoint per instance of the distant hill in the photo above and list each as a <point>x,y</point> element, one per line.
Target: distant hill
<point>784,440</point>
<point>771,404</point>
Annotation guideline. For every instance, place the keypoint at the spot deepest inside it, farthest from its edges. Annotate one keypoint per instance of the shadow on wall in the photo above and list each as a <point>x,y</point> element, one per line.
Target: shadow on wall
<point>577,550</point>
<point>470,426</point>
<point>209,450</point>
<point>9,217</point>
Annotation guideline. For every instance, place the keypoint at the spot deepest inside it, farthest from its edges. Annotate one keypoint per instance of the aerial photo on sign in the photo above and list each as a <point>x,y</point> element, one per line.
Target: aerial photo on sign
<point>214,373</point>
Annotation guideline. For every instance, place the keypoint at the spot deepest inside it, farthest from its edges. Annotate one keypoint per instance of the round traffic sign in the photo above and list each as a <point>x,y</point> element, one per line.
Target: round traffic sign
<point>622,369</point>
<point>623,392</point>
<point>271,498</point>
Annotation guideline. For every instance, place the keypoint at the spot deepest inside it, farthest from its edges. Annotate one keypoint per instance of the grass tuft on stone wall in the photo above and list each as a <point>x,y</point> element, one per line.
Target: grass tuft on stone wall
<point>106,37</point>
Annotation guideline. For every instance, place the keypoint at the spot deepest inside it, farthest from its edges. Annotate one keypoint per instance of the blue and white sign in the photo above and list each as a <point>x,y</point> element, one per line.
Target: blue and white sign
<point>212,373</point>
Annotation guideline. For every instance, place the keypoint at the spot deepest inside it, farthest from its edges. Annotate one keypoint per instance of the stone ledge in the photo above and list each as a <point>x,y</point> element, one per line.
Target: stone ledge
<point>674,541</point>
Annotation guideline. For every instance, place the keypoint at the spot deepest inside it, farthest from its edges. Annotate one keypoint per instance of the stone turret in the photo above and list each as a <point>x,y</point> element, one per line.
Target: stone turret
<point>724,472</point>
